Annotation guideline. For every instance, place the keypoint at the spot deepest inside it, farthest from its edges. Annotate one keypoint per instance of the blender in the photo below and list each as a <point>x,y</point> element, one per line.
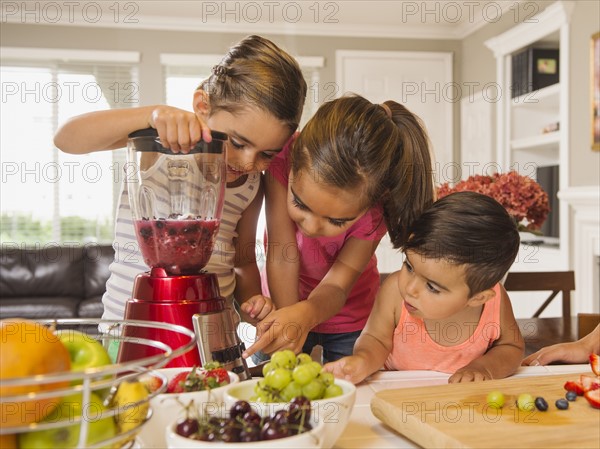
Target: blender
<point>176,203</point>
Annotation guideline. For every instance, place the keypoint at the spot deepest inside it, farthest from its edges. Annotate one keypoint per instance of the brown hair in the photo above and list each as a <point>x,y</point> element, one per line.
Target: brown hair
<point>353,143</point>
<point>257,72</point>
<point>468,228</point>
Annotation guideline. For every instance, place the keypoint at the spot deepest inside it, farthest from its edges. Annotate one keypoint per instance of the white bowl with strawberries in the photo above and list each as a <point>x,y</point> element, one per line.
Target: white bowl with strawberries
<point>203,385</point>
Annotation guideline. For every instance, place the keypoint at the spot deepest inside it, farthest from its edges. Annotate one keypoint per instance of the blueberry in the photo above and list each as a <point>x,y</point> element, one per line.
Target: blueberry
<point>562,404</point>
<point>541,404</point>
<point>571,396</point>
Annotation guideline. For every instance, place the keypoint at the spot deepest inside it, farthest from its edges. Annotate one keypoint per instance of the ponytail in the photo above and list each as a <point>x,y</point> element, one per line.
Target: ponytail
<point>382,150</point>
<point>410,177</point>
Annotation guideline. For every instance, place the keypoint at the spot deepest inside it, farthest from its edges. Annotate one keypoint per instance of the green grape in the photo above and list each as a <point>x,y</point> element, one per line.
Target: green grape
<point>278,378</point>
<point>495,399</point>
<point>314,389</point>
<point>303,374</point>
<point>262,395</point>
<point>332,391</point>
<point>266,368</point>
<point>259,386</point>
<point>292,390</point>
<point>303,358</point>
<point>326,378</point>
<point>316,367</point>
<point>284,359</point>
<point>525,402</point>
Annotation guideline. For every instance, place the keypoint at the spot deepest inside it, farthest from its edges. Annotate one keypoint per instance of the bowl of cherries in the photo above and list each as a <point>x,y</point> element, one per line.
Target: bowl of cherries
<point>203,385</point>
<point>288,376</point>
<point>241,426</point>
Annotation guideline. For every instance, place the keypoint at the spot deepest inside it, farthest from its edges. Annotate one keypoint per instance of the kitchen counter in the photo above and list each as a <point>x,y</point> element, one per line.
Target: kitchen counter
<point>365,431</point>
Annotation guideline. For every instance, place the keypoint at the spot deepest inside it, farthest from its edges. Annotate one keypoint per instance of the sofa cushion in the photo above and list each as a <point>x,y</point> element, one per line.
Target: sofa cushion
<point>39,307</point>
<point>49,271</point>
<point>91,308</point>
<point>96,260</point>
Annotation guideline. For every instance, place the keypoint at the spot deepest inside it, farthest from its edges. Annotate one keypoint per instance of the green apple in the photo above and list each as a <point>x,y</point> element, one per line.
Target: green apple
<point>85,351</point>
<point>66,437</point>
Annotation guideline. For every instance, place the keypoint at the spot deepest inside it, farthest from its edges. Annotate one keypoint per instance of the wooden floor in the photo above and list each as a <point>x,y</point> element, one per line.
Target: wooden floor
<point>541,332</point>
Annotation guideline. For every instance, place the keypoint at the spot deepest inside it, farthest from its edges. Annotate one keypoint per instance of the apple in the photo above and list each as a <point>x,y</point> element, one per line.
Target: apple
<point>85,351</point>
<point>69,408</point>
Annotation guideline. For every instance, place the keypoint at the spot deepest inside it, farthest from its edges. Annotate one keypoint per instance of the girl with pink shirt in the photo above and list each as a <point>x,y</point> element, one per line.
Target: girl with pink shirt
<point>356,170</point>
<point>445,309</point>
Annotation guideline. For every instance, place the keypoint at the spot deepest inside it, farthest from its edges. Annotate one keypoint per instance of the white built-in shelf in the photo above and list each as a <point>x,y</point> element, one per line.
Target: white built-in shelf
<point>537,143</point>
<point>545,98</point>
<point>521,143</point>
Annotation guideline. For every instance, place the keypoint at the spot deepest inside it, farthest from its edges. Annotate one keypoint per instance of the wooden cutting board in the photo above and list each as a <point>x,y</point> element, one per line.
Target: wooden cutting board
<point>457,415</point>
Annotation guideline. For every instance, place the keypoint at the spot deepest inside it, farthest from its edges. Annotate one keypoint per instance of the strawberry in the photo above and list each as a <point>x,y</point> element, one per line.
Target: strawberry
<point>571,385</point>
<point>595,363</point>
<point>593,397</point>
<point>589,383</point>
<point>152,383</point>
<point>215,376</point>
<point>176,384</point>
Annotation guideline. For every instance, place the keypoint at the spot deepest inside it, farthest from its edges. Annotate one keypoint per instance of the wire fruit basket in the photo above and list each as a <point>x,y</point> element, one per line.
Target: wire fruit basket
<point>93,383</point>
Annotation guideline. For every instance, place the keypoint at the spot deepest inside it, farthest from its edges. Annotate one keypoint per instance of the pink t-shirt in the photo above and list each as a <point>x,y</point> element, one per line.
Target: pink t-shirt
<point>317,255</point>
<point>414,349</point>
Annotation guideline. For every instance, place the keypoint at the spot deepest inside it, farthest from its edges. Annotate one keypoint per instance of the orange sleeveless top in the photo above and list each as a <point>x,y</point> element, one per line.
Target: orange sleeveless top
<point>414,349</point>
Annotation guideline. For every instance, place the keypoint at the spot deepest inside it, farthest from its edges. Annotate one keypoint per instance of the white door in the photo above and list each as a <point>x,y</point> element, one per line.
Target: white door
<point>422,81</point>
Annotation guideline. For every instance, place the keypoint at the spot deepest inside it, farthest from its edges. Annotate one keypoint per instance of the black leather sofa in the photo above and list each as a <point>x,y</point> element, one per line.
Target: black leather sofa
<point>53,281</point>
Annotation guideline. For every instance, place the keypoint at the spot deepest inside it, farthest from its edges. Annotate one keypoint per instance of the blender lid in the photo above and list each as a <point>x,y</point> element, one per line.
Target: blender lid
<point>216,146</point>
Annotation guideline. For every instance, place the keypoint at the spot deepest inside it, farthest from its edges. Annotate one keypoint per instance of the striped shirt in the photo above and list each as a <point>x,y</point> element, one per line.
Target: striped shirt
<point>128,262</point>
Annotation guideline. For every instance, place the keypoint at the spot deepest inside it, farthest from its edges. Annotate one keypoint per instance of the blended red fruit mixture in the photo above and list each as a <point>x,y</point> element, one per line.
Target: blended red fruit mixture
<point>178,246</point>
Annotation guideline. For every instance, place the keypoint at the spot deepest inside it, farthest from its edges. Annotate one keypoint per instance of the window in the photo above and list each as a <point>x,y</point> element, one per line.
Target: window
<point>48,196</point>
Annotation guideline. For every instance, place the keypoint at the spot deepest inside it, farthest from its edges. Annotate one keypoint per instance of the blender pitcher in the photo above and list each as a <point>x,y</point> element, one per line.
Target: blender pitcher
<point>176,203</point>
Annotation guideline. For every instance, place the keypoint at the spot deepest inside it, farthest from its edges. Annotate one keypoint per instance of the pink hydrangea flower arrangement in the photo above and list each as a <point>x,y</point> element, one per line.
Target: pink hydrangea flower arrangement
<point>521,196</point>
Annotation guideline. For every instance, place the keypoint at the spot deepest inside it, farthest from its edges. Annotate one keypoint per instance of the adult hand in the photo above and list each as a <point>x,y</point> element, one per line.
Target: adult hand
<point>571,352</point>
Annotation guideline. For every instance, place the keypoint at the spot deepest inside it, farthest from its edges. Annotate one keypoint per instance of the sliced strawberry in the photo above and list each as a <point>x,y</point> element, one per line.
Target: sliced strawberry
<point>216,377</point>
<point>152,383</point>
<point>177,383</point>
<point>576,387</point>
<point>593,397</point>
<point>595,363</point>
<point>589,383</point>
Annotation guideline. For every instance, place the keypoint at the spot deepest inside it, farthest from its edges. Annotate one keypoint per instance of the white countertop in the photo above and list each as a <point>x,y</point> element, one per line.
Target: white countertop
<point>365,431</point>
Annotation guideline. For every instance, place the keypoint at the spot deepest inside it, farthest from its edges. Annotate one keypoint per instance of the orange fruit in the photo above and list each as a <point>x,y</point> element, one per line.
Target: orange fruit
<point>8,441</point>
<point>27,349</point>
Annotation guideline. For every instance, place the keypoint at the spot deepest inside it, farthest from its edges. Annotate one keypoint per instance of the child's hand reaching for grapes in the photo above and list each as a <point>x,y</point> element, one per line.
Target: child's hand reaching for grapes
<point>351,368</point>
<point>256,308</point>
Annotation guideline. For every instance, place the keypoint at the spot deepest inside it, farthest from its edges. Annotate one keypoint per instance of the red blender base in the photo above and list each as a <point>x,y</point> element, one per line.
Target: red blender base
<point>168,299</point>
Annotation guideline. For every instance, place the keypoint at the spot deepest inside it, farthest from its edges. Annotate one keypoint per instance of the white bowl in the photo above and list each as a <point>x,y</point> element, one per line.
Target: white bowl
<point>166,408</point>
<point>333,412</point>
<point>312,439</point>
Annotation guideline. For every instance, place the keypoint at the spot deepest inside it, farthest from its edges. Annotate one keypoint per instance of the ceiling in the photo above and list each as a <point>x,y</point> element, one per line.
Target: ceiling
<point>396,19</point>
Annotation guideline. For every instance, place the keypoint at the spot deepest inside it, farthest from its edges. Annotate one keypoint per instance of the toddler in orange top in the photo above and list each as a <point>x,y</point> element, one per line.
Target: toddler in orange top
<point>445,309</point>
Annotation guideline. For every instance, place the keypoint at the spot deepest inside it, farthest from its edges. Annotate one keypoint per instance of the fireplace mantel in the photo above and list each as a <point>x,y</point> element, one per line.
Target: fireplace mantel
<point>585,245</point>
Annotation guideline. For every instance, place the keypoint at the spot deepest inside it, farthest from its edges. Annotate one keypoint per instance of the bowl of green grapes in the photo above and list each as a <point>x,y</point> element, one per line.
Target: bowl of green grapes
<point>288,376</point>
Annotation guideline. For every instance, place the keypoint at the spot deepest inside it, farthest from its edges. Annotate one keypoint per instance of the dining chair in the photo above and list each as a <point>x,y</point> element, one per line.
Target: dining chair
<point>554,281</point>
<point>539,332</point>
<point>586,323</point>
